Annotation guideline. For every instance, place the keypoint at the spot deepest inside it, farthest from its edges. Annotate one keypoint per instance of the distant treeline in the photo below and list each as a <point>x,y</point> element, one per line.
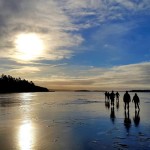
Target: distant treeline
<point>9,84</point>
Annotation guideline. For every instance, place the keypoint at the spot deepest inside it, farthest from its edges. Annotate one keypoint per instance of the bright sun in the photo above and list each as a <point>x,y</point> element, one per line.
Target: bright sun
<point>29,46</point>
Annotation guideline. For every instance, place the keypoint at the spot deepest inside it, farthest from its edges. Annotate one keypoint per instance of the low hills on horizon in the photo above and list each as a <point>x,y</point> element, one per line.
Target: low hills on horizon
<point>9,84</point>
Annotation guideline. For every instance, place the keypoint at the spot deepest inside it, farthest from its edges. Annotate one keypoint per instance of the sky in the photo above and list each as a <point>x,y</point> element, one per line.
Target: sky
<point>77,44</point>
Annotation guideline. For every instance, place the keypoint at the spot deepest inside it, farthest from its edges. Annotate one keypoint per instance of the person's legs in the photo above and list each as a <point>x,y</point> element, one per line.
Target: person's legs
<point>113,102</point>
<point>128,106</point>
<point>138,105</point>
<point>135,105</point>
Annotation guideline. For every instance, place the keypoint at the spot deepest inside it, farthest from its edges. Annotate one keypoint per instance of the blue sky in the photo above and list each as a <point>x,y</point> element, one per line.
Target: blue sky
<point>92,44</point>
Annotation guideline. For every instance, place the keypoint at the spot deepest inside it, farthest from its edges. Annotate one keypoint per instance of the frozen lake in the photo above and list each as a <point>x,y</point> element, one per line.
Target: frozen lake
<point>72,121</point>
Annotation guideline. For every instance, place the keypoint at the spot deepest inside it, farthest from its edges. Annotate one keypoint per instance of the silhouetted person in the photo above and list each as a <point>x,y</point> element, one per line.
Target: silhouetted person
<point>136,118</point>
<point>136,101</point>
<point>105,95</point>
<point>112,115</point>
<point>117,96</point>
<point>108,96</point>
<point>117,105</point>
<point>112,98</point>
<point>126,99</point>
<point>107,104</point>
<point>127,120</point>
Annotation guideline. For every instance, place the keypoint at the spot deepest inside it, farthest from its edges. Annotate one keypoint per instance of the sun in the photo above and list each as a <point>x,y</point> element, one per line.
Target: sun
<point>29,46</point>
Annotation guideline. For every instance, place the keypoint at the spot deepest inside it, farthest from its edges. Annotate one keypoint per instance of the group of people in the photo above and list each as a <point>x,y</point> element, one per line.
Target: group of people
<point>126,98</point>
<point>110,98</point>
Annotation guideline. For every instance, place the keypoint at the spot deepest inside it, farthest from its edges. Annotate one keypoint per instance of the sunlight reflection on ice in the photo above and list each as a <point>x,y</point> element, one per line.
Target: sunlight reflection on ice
<point>26,136</point>
<point>26,96</point>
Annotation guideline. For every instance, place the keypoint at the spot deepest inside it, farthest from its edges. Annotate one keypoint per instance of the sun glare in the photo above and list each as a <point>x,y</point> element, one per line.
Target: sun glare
<point>26,139</point>
<point>29,46</point>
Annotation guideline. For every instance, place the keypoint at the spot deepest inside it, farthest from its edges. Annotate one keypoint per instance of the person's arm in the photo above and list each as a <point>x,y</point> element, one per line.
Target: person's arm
<point>133,99</point>
<point>129,98</point>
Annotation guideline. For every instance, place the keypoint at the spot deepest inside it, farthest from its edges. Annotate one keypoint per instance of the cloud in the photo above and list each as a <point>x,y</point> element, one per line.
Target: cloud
<point>103,11</point>
<point>25,70</point>
<point>67,76</point>
<point>45,19</point>
<point>61,24</point>
<point>58,22</point>
<point>128,76</point>
<point>135,76</point>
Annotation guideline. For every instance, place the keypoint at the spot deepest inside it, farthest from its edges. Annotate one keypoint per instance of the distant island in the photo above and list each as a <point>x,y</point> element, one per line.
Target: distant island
<point>88,91</point>
<point>9,84</point>
<point>83,91</point>
<point>140,91</point>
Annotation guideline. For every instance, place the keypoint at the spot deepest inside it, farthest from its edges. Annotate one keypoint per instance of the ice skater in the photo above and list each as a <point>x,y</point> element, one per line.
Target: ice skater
<point>107,104</point>
<point>112,98</point>
<point>127,100</point>
<point>117,96</point>
<point>105,95</point>
<point>108,96</point>
<point>136,101</point>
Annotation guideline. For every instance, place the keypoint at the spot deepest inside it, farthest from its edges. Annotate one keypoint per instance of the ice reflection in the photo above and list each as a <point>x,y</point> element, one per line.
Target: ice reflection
<point>26,138</point>
<point>25,96</point>
<point>26,134</point>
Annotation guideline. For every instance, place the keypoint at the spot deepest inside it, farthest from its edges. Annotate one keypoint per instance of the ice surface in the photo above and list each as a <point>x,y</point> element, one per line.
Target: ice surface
<point>72,121</point>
